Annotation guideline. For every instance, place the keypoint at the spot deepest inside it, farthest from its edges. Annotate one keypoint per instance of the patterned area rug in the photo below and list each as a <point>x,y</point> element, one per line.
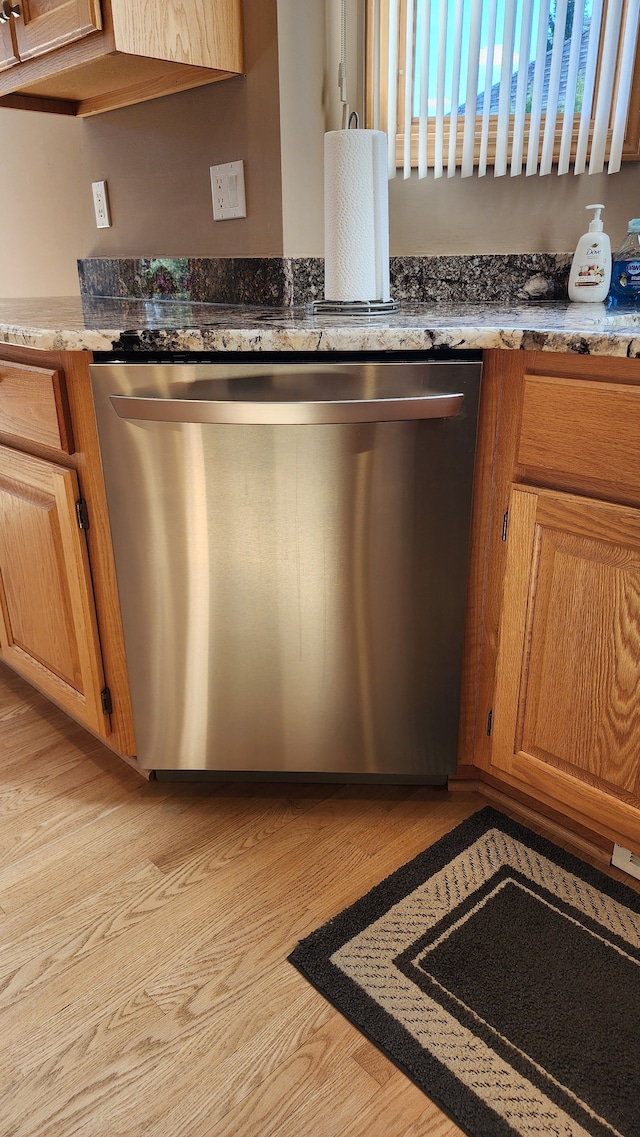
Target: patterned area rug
<point>503,976</point>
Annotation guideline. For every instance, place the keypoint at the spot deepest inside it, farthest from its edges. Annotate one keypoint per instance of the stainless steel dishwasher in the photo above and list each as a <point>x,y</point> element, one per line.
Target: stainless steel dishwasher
<point>290,543</point>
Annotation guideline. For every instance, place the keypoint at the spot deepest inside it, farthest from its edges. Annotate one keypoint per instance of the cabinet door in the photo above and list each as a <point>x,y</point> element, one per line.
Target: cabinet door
<point>46,24</point>
<point>7,48</point>
<point>566,717</point>
<point>48,627</point>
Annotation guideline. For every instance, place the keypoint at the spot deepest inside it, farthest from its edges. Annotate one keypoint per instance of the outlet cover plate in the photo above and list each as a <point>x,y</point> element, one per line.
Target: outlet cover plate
<point>101,205</point>
<point>227,191</point>
<point>626,860</point>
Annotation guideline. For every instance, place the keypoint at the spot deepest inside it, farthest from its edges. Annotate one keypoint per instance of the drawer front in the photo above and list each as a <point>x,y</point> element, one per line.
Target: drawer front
<point>34,406</point>
<point>582,433</point>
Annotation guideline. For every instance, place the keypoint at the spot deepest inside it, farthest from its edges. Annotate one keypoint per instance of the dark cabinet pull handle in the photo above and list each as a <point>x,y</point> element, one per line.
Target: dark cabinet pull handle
<point>7,10</point>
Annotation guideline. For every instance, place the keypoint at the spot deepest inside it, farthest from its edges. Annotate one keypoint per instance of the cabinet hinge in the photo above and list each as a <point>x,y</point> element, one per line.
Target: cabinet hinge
<point>82,513</point>
<point>107,705</point>
<point>505,525</point>
<point>489,722</point>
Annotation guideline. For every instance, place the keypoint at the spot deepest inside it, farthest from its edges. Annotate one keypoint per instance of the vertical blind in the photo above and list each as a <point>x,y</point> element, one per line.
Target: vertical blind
<point>517,84</point>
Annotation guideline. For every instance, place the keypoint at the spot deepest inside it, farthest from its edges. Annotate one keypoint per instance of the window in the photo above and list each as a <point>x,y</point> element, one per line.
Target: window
<point>517,85</point>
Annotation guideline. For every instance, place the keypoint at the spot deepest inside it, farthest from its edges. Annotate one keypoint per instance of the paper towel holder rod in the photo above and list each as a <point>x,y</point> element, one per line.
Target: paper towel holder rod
<point>354,114</point>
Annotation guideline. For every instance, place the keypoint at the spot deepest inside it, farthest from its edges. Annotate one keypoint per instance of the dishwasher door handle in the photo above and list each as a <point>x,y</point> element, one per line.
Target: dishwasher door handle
<point>431,405</point>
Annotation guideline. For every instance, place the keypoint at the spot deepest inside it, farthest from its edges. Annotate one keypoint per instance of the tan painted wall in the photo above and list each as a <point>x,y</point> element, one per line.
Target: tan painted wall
<point>156,158</point>
<point>301,52</point>
<point>309,53</point>
<point>44,207</point>
<point>507,215</point>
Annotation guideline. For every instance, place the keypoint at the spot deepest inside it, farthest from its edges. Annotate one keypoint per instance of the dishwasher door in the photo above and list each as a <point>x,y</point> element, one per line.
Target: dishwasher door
<point>290,543</point>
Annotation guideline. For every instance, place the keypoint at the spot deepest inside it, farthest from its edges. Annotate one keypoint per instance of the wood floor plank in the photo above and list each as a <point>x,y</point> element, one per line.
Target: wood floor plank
<point>199,1068</point>
<point>242,1050</point>
<point>25,784</point>
<point>119,840</point>
<point>26,739</point>
<point>34,828</point>
<point>391,1112</point>
<point>13,710</point>
<point>202,1026</point>
<point>42,878</point>
<point>375,1063</point>
<point>199,912</point>
<point>353,804</point>
<point>284,1018</point>
<point>433,1123</point>
<point>36,958</point>
<point>333,1101</point>
<point>300,1082</point>
<point>237,823</point>
<point>144,987</point>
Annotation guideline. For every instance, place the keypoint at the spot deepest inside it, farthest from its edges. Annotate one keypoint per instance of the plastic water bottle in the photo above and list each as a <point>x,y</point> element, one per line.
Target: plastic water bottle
<point>625,271</point>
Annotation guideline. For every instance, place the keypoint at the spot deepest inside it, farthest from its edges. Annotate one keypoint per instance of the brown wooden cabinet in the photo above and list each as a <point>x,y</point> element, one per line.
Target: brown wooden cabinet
<point>44,25</point>
<point>48,629</point>
<point>558,713</point>
<point>85,56</point>
<point>567,694</point>
<point>59,613</point>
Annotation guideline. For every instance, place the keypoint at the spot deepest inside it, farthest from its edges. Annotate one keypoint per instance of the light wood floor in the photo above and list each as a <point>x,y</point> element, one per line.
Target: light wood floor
<point>144,988</point>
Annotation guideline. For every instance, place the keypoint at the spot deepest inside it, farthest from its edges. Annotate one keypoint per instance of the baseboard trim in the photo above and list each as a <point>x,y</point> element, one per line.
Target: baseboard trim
<point>562,830</point>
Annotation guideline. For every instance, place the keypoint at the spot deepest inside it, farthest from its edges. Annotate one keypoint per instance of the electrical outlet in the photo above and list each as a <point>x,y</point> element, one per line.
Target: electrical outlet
<point>626,860</point>
<point>227,191</point>
<point>101,205</point>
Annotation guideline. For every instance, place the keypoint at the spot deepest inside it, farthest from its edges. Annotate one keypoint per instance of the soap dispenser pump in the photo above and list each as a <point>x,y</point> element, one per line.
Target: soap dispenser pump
<point>590,274</point>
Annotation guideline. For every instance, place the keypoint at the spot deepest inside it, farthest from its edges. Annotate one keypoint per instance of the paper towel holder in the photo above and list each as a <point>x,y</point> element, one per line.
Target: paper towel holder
<point>353,307</point>
<point>350,120</point>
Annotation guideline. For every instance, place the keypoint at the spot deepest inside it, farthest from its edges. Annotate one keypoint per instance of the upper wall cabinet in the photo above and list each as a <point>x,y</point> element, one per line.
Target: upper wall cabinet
<point>81,57</point>
<point>46,24</point>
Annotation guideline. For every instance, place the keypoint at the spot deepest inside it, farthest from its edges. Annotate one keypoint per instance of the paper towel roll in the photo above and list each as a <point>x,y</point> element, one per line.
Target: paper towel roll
<point>356,215</point>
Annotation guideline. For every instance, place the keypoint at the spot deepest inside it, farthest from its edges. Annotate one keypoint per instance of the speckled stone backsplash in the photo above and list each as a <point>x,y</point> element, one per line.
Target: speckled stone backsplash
<point>476,278</point>
<point>293,281</point>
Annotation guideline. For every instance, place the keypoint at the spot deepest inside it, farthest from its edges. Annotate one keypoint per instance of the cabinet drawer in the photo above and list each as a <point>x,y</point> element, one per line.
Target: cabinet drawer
<point>582,433</point>
<point>34,406</point>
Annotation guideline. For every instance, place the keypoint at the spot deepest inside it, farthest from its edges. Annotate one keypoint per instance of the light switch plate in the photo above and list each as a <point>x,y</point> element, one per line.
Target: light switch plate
<point>227,191</point>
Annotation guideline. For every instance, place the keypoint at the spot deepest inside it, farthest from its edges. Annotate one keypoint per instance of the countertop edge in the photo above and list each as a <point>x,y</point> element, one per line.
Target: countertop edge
<point>115,326</point>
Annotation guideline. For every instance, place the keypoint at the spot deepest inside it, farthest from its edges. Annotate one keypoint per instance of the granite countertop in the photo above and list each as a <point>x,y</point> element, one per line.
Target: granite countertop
<point>103,324</point>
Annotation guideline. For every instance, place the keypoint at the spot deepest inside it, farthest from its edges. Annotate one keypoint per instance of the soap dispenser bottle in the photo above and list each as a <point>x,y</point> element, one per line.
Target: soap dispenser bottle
<point>590,274</point>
